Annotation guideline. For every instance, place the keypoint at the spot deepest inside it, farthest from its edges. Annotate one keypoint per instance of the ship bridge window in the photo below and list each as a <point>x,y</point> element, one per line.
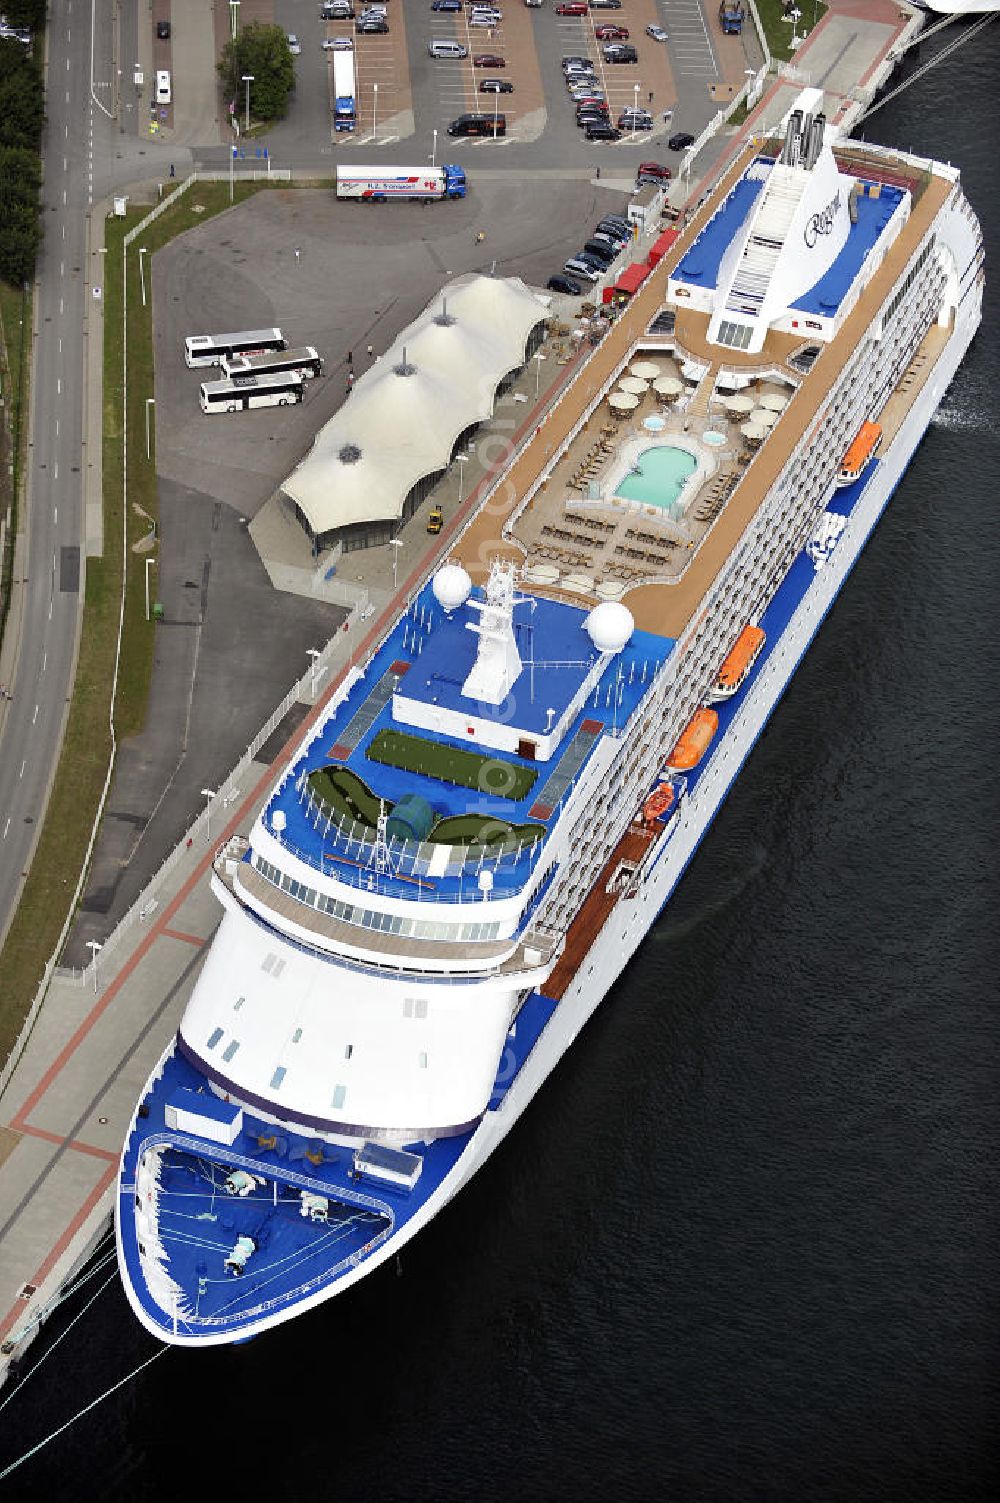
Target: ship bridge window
<point>278,1077</point>
<point>339,1096</point>
<point>230,1049</point>
<point>213,1038</point>
<point>414,1007</point>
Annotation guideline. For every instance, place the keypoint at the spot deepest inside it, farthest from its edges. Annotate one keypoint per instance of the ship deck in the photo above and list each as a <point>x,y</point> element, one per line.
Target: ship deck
<point>575,537</point>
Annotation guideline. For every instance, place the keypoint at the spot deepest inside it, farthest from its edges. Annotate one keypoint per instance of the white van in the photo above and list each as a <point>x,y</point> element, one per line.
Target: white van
<point>163,87</point>
<point>447,49</point>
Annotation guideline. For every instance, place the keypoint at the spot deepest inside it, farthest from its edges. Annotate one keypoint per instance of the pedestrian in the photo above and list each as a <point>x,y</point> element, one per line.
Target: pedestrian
<point>650,96</point>
<point>350,358</point>
<point>668,115</point>
<point>298,253</point>
<point>480,237</point>
<point>172,173</point>
<point>371,353</point>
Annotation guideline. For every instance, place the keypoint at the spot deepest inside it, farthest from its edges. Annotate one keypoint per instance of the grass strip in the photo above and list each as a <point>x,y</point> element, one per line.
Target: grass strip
<point>778,31</point>
<point>452,764</point>
<point>15,382</point>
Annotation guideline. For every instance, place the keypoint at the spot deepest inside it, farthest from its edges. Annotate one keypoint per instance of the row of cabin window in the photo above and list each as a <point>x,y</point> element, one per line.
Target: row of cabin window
<point>367,918</point>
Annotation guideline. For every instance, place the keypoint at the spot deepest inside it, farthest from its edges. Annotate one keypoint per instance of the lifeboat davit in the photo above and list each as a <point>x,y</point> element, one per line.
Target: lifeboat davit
<point>741,658</point>
<point>693,741</point>
<point>864,446</point>
<point>658,803</point>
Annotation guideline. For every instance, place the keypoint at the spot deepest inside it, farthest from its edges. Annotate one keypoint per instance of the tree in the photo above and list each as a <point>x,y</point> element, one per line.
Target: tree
<point>263,52</point>
<point>22,106</point>
<point>25,13</point>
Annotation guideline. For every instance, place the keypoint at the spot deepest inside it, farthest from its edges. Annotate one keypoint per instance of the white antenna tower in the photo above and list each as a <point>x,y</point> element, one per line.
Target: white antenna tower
<point>380,858</point>
<point>498,662</point>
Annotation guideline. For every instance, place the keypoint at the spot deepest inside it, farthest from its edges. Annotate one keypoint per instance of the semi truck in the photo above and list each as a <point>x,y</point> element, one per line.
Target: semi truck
<point>731,16</point>
<point>344,91</point>
<point>379,184</point>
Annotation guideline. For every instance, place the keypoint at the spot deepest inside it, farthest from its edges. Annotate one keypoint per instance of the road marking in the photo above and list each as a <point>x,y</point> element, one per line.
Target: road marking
<point>65,164</point>
<point>23,766</point>
<point>62,272</point>
<point>35,716</point>
<point>55,509</point>
<point>59,386</point>
<point>6,827</point>
<point>64,200</point>
<point>55,475</point>
<point>60,305</point>
<point>45,659</point>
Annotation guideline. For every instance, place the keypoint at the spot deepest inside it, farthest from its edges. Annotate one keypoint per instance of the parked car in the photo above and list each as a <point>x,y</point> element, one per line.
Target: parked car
<point>163,31</point>
<point>605,4</point>
<point>603,130</point>
<point>484,17</point>
<point>614,229</point>
<point>635,120</point>
<point>578,268</point>
<point>608,32</point>
<point>569,285</point>
<point>376,25</point>
<point>293,44</point>
<point>605,253</point>
<point>657,33</point>
<point>655,169</point>
<point>620,52</point>
<point>572,8</point>
<point>488,60</point>
<point>680,140</point>
<point>596,263</point>
<point>495,86</point>
<point>592,114</point>
<point>337,44</point>
<point>435,519</point>
<point>568,61</point>
<point>446,4</point>
<point>447,49</point>
<point>588,100</point>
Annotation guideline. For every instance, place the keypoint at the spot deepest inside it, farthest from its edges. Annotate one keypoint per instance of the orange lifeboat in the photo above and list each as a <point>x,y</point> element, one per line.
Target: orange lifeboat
<point>693,741</point>
<point>864,446</point>
<point>658,803</point>
<point>741,658</point>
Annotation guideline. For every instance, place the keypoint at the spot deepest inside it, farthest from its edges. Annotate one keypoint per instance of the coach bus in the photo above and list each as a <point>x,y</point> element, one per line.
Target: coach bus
<point>251,391</point>
<point>307,361</point>
<point>212,349</point>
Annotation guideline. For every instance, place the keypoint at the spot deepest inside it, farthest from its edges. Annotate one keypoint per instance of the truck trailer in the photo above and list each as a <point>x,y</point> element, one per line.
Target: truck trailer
<point>345,111</point>
<point>731,17</point>
<point>379,184</point>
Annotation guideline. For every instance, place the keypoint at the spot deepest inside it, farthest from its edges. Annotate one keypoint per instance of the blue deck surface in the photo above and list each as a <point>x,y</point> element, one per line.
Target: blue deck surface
<point>199,1222</point>
<point>700,265</point>
<point>826,295</point>
<point>431,643</point>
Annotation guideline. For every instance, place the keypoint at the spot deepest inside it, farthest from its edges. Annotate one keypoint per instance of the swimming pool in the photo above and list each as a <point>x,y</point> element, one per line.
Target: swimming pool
<point>658,476</point>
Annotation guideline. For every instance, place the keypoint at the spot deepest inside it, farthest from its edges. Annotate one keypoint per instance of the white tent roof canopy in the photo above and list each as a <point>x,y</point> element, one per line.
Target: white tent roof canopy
<point>405,414</point>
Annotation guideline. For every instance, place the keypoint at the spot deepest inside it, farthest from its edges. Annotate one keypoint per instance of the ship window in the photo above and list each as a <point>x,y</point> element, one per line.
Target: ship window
<point>422,1059</point>
<point>339,1096</point>
<point>238,1003</point>
<point>296,1035</point>
<point>349,1050</point>
<point>230,1050</point>
<point>214,1038</point>
<point>277,1077</point>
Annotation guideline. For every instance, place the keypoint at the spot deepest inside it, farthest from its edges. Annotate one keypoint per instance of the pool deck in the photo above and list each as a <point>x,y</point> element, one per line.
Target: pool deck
<point>575,543</point>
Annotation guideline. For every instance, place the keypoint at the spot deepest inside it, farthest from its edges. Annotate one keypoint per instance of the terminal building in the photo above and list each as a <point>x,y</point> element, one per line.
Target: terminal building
<point>376,460</point>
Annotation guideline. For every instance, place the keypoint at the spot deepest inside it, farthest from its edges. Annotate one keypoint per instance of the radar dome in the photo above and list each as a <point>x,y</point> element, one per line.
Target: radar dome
<point>610,625</point>
<point>451,587</point>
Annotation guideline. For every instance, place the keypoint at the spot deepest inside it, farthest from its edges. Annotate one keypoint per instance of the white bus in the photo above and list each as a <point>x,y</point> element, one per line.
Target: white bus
<point>212,349</point>
<point>251,391</point>
<point>306,361</point>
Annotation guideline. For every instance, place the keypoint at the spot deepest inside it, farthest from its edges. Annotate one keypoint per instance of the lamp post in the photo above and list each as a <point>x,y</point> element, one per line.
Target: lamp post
<point>208,795</point>
<point>234,16</point>
<point>149,561</point>
<point>395,544</point>
<point>312,653</point>
<point>150,402</point>
<point>375,113</point>
<point>539,357</point>
<point>248,79</point>
<point>463,460</point>
<point>434,150</point>
<point>94,946</point>
<point>635,109</point>
<point>232,159</point>
<point>142,277</point>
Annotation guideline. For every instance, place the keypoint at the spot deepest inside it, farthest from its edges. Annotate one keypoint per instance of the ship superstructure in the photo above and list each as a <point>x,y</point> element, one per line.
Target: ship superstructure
<point>476,834</point>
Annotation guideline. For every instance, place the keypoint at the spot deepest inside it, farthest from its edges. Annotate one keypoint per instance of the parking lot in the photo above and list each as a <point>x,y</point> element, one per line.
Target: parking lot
<point>403,92</point>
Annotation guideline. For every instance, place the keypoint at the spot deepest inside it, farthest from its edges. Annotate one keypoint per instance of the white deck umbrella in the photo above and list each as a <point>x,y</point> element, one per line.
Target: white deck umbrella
<point>646,370</point>
<point>623,401</point>
<point>739,404</point>
<point>753,432</point>
<point>763,417</point>
<point>668,386</point>
<point>634,384</point>
<point>774,401</point>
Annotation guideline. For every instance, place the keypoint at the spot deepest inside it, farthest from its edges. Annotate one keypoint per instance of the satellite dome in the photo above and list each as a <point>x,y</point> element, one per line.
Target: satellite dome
<point>452,586</point>
<point>610,625</point>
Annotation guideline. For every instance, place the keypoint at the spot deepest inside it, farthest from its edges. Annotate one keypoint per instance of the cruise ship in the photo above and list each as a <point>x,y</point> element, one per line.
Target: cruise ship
<point>487,814</point>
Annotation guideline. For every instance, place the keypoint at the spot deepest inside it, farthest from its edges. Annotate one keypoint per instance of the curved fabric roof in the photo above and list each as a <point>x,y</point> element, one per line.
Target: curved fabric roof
<point>405,414</point>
